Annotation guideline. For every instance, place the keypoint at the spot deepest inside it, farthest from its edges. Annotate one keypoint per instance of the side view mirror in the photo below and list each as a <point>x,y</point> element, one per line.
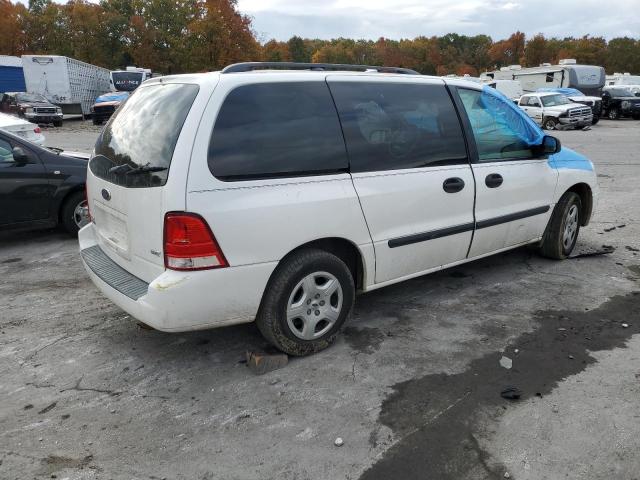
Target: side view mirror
<point>550,145</point>
<point>19,155</point>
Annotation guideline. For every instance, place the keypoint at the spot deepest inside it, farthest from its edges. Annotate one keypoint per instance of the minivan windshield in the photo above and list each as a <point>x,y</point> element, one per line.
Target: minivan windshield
<point>136,146</point>
<point>553,100</point>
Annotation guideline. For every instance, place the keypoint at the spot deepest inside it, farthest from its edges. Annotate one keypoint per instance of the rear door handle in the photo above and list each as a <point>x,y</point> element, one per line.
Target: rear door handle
<point>453,185</point>
<point>493,180</point>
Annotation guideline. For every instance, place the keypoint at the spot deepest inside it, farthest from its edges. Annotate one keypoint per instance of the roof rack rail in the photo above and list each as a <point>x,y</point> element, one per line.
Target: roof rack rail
<point>251,66</point>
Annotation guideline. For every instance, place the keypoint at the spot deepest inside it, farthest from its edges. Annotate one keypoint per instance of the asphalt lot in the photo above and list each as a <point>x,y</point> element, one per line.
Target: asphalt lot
<point>412,386</point>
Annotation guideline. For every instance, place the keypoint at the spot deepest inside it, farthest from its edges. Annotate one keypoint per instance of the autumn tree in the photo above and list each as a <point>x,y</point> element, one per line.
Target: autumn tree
<point>297,50</point>
<point>12,35</point>
<point>509,51</point>
<point>623,55</point>
<point>175,36</point>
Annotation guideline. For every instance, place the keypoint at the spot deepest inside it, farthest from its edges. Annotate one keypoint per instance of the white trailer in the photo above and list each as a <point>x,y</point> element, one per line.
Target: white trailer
<point>71,84</point>
<point>623,79</point>
<point>589,79</point>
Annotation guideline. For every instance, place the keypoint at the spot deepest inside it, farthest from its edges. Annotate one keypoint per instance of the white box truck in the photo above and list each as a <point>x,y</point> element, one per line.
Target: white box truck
<point>68,83</point>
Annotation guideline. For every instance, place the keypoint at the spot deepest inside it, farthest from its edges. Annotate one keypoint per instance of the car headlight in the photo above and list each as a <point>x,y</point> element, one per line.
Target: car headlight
<point>626,104</point>
<point>28,110</point>
<point>58,110</point>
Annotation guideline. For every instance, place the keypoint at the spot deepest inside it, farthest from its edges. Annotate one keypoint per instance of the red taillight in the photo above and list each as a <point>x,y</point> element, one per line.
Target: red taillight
<point>189,243</point>
<point>37,130</point>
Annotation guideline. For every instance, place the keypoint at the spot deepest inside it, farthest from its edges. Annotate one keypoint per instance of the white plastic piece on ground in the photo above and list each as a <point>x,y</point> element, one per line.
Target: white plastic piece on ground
<point>339,442</point>
<point>506,362</point>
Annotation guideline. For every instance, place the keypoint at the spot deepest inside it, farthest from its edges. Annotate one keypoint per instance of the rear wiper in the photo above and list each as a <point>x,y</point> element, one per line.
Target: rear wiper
<point>128,169</point>
<point>145,169</point>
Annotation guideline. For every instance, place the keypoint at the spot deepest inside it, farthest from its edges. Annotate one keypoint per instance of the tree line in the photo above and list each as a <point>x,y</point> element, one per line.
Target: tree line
<point>176,36</point>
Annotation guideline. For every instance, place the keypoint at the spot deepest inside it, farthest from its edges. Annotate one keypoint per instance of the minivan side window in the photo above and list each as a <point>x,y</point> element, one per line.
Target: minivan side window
<point>389,126</point>
<point>270,130</point>
<point>497,136</point>
<point>6,152</point>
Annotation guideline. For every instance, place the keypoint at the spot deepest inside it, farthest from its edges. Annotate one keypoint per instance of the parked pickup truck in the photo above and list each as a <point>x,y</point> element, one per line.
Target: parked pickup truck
<point>32,106</point>
<point>105,105</point>
<point>619,101</point>
<point>555,111</point>
<point>576,96</point>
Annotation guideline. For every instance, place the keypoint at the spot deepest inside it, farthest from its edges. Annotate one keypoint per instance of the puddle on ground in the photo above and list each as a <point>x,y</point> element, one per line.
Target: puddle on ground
<point>434,416</point>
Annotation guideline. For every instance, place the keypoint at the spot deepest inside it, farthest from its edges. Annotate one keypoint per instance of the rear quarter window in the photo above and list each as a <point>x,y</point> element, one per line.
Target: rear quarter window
<point>271,130</point>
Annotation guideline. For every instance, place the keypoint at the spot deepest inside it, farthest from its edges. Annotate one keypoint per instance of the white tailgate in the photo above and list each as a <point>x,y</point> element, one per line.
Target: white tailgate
<point>129,226</point>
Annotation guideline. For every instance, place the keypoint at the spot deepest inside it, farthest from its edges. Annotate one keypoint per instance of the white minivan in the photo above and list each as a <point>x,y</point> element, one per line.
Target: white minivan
<point>276,192</point>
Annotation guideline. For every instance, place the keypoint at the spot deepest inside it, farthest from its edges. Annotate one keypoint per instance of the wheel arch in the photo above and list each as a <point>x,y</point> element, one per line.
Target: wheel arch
<point>585,193</point>
<point>63,200</point>
<point>342,248</point>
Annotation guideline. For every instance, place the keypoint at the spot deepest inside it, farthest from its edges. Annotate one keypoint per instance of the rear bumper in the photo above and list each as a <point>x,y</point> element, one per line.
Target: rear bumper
<point>178,301</point>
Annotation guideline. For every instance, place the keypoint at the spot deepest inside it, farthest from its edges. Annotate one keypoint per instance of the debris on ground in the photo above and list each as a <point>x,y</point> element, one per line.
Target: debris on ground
<point>338,442</point>
<point>263,362</point>
<point>51,406</point>
<point>625,325</point>
<point>632,249</point>
<point>606,250</point>
<point>506,474</point>
<point>511,393</point>
<point>610,229</point>
<point>506,362</point>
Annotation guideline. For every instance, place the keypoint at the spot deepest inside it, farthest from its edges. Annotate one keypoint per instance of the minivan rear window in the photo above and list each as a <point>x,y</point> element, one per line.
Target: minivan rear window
<point>141,136</point>
<point>270,130</point>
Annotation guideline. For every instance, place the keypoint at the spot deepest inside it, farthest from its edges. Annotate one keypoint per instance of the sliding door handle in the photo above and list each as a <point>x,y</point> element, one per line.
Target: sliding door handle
<point>453,185</point>
<point>493,180</point>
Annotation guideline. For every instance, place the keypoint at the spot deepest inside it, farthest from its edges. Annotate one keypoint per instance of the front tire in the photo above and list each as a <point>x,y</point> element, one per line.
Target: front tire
<point>57,123</point>
<point>306,302</point>
<point>74,214</point>
<point>549,123</point>
<point>614,114</point>
<point>595,120</point>
<point>563,228</point>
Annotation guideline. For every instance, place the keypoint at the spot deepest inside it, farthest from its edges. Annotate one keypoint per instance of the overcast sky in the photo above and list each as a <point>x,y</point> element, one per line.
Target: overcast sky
<point>396,19</point>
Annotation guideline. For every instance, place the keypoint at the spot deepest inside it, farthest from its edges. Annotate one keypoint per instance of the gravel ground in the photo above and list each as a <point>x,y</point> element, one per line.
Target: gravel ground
<point>412,386</point>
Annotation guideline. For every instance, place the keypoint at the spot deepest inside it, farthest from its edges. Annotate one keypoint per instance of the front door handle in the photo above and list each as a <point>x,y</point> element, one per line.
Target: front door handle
<point>453,185</point>
<point>493,180</point>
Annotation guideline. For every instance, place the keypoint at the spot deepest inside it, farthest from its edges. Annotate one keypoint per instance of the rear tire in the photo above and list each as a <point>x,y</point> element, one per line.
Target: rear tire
<point>306,302</point>
<point>564,226</point>
<point>73,213</point>
<point>96,121</point>
<point>549,123</point>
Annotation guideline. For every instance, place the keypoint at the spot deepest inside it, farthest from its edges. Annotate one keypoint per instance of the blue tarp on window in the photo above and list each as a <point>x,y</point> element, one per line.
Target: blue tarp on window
<point>511,117</point>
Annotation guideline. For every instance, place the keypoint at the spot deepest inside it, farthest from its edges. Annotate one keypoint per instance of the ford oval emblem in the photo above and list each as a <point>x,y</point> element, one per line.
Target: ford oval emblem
<point>106,195</point>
